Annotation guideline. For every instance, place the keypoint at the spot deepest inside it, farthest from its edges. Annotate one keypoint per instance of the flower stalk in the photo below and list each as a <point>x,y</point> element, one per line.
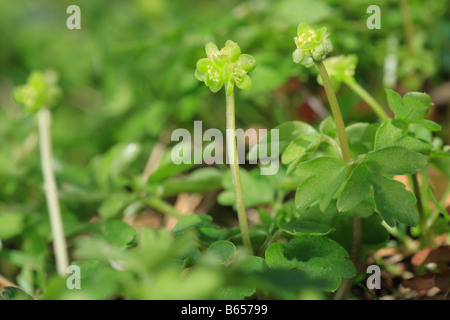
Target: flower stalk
<point>234,166</point>
<point>336,111</point>
<point>38,95</point>
<point>229,68</point>
<point>51,192</point>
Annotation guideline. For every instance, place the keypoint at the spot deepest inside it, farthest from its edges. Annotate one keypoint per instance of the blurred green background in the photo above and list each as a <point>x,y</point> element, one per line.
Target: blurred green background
<point>128,77</point>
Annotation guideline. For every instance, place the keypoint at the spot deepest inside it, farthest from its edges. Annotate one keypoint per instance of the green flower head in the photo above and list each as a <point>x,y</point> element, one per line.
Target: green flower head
<point>226,66</point>
<point>41,90</point>
<point>312,45</point>
<point>340,69</point>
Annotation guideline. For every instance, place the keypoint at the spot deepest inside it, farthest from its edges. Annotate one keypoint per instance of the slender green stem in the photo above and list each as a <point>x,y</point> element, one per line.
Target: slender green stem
<point>439,207</point>
<point>367,97</point>
<point>336,111</point>
<point>234,166</point>
<point>422,215</point>
<point>51,192</point>
<point>357,225</point>
<point>269,241</point>
<point>273,236</point>
<point>408,26</point>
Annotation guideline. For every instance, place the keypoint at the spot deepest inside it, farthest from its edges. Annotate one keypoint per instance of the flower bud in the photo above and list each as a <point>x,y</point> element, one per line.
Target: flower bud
<point>312,45</point>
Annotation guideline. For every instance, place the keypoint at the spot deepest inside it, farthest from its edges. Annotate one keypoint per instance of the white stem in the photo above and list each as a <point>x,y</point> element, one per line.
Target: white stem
<point>51,192</point>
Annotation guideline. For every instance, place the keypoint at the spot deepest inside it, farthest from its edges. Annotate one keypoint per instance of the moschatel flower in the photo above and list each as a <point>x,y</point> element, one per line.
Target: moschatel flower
<point>41,90</point>
<point>226,66</point>
<point>340,69</point>
<point>312,45</point>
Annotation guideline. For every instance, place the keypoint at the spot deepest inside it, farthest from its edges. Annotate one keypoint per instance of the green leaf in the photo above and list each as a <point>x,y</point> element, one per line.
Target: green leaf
<point>167,168</point>
<point>114,205</point>
<point>191,221</point>
<point>430,125</point>
<point>301,147</point>
<point>119,233</point>
<point>355,189</point>
<point>375,235</point>
<point>396,160</point>
<point>256,188</point>
<point>413,108</point>
<point>328,127</point>
<point>110,166</point>
<point>393,201</point>
<point>390,133</point>
<point>361,137</point>
<point>221,251</point>
<point>199,181</point>
<point>13,293</point>
<point>11,225</point>
<point>319,257</point>
<point>209,235</point>
<point>301,227</point>
<point>442,164</point>
<point>313,175</point>
<point>287,132</point>
<point>234,293</point>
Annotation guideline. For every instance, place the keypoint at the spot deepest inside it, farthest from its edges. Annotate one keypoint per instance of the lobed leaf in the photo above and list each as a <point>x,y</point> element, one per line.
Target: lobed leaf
<point>355,189</point>
<point>396,160</point>
<point>321,179</point>
<point>319,257</point>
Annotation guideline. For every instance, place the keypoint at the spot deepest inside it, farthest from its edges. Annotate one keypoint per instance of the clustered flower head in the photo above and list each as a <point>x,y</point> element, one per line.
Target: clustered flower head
<point>41,90</point>
<point>312,45</point>
<point>340,69</point>
<point>226,66</point>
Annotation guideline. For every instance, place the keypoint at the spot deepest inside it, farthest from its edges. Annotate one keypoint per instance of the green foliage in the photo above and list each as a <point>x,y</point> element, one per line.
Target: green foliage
<point>313,173</point>
<point>13,293</point>
<point>318,257</point>
<point>257,189</point>
<point>129,82</point>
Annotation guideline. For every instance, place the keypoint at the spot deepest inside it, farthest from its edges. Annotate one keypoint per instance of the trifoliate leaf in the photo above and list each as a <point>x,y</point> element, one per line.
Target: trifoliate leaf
<point>412,108</point>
